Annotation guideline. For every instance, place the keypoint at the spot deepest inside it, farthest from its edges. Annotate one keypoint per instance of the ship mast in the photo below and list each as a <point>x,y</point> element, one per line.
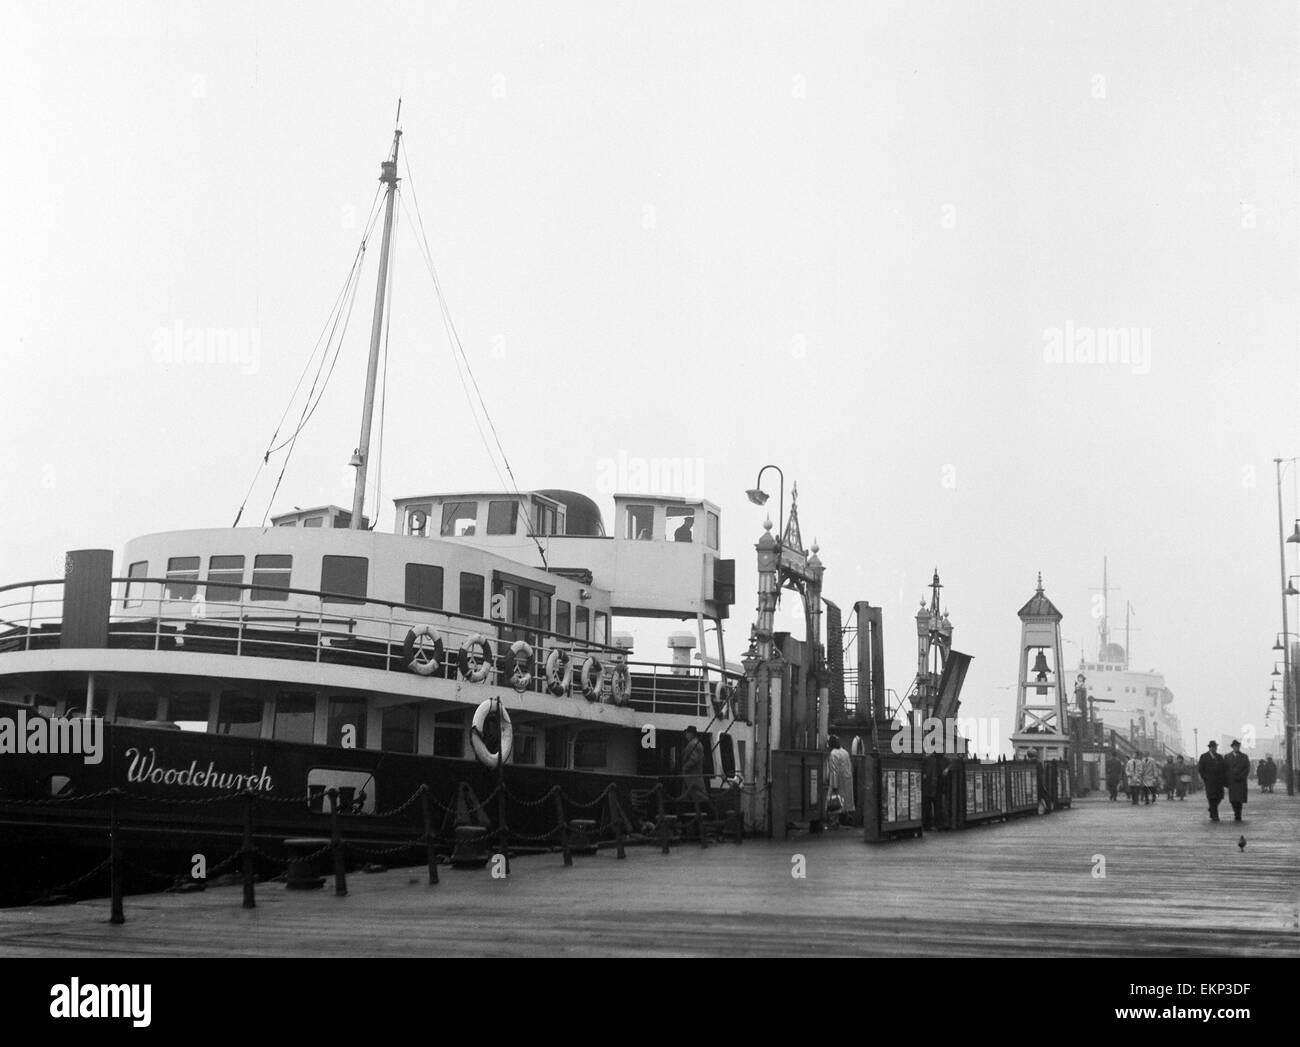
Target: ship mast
<point>361,457</point>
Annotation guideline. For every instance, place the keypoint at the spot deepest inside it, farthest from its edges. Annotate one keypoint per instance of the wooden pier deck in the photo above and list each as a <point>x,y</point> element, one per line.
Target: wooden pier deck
<point>1174,885</point>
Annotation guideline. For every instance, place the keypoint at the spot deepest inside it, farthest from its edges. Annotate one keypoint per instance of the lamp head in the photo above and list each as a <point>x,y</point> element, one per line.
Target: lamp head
<point>756,496</point>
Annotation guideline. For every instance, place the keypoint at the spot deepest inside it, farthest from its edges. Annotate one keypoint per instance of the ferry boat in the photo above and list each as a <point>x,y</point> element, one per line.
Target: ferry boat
<point>321,658</point>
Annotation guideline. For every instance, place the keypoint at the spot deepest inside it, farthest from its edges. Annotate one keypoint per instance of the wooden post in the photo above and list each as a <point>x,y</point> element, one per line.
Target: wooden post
<point>501,818</point>
<point>616,816</point>
<point>564,827</point>
<point>428,835</point>
<point>699,824</point>
<point>247,850</point>
<point>115,859</point>
<point>663,819</point>
<point>336,838</point>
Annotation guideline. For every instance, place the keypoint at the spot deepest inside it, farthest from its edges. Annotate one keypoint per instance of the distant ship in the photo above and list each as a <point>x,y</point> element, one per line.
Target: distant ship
<point>1136,704</point>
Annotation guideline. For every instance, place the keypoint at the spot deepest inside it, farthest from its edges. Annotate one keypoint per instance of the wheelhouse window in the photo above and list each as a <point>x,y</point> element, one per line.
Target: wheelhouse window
<point>134,590</point>
<point>273,569</point>
<point>563,617</point>
<point>314,521</point>
<point>681,523</point>
<point>459,519</point>
<point>471,594</point>
<point>582,624</point>
<point>189,710</point>
<point>711,532</point>
<point>347,723</point>
<point>295,716</point>
<point>543,519</point>
<point>423,586</point>
<point>239,715</point>
<point>136,705</point>
<point>182,573</point>
<point>640,523</point>
<point>602,627</point>
<point>417,520</point>
<point>345,576</point>
<point>225,573</point>
<point>539,611</point>
<point>501,517</point>
<point>400,728</point>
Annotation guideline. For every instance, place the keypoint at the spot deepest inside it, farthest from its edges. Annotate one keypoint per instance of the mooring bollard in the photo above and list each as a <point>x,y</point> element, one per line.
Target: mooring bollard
<point>583,836</point>
<point>470,848</point>
<point>301,873</point>
<point>336,839</point>
<point>428,835</point>
<point>616,817</point>
<point>116,915</point>
<point>564,827</point>
<point>250,902</point>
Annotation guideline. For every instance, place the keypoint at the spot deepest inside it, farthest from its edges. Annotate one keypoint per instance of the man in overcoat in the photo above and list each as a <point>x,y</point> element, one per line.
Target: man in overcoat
<point>1236,766</point>
<point>1114,772</point>
<point>1213,773</point>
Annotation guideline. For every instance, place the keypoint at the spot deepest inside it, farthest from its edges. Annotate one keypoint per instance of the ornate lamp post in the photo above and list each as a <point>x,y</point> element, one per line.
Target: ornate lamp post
<point>758,496</point>
<point>1288,683</point>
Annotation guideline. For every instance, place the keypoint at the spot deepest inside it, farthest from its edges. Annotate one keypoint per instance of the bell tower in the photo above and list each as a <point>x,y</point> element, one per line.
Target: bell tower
<point>1041,716</point>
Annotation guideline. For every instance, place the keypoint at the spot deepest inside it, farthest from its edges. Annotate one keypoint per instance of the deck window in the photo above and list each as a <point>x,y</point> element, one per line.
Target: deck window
<point>295,716</point>
<point>345,576</point>
<point>681,523</point>
<point>459,519</point>
<point>229,572</point>
<point>539,611</point>
<point>140,569</point>
<point>347,713</point>
<point>471,594</point>
<point>641,523</point>
<point>544,519</point>
<point>449,734</point>
<point>272,569</point>
<point>189,710</point>
<point>501,517</point>
<point>423,586</point>
<point>400,728</point>
<point>239,715</point>
<point>314,521</point>
<point>136,705</point>
<point>563,617</point>
<point>525,748</point>
<point>582,625</point>
<point>602,628</point>
<point>182,572</point>
<point>417,520</point>
<point>711,534</point>
<point>589,751</point>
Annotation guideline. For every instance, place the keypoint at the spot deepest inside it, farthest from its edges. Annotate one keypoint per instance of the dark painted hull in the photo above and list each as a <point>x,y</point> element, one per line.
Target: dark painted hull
<point>184,794</point>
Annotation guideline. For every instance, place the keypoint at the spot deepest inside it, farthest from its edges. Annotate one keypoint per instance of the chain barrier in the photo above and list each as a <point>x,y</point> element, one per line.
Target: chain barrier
<point>79,880</point>
<point>57,799</point>
<point>530,803</point>
<point>372,852</point>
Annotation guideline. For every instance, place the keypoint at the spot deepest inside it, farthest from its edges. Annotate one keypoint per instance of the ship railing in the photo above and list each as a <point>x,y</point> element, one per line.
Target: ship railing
<point>167,614</point>
<point>661,687</point>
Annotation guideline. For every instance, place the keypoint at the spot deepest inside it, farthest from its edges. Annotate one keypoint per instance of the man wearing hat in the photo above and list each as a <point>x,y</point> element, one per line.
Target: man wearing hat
<point>1236,766</point>
<point>1213,773</point>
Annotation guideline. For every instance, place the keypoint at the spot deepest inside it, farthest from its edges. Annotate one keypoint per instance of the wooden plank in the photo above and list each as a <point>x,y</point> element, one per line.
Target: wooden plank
<point>1175,885</point>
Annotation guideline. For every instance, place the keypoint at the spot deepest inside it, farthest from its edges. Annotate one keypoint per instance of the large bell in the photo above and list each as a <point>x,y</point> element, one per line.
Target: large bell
<point>1040,670</point>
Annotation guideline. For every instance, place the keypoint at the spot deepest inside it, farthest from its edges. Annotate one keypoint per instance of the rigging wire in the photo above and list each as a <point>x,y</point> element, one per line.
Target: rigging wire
<point>329,325</point>
<point>458,347</point>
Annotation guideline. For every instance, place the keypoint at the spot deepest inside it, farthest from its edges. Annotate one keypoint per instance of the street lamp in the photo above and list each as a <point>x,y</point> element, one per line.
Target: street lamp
<point>758,496</point>
<point>1288,685</point>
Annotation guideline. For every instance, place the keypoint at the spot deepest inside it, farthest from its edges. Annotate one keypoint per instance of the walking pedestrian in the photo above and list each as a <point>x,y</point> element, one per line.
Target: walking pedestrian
<point>1133,777</point>
<point>1237,769</point>
<point>1183,775</point>
<point>1114,773</point>
<point>1213,774</point>
<point>1267,774</point>
<point>1170,777</point>
<point>839,783</point>
<point>1150,778</point>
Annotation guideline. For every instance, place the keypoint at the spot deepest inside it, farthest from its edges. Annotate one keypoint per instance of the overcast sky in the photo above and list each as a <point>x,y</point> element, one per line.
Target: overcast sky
<point>849,239</point>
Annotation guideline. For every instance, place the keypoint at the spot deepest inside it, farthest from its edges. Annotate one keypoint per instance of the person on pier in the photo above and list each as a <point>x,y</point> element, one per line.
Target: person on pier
<point>1114,772</point>
<point>1170,776</point>
<point>1236,766</point>
<point>1133,777</point>
<point>1213,773</point>
<point>1150,778</point>
<point>839,782</point>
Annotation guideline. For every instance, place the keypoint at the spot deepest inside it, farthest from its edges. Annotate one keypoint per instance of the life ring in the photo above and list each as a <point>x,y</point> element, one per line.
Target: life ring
<point>590,677</point>
<point>476,666</point>
<point>420,656</point>
<point>559,672</point>
<point>620,683</point>
<point>523,671</point>
<point>485,755</point>
<point>724,699</point>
